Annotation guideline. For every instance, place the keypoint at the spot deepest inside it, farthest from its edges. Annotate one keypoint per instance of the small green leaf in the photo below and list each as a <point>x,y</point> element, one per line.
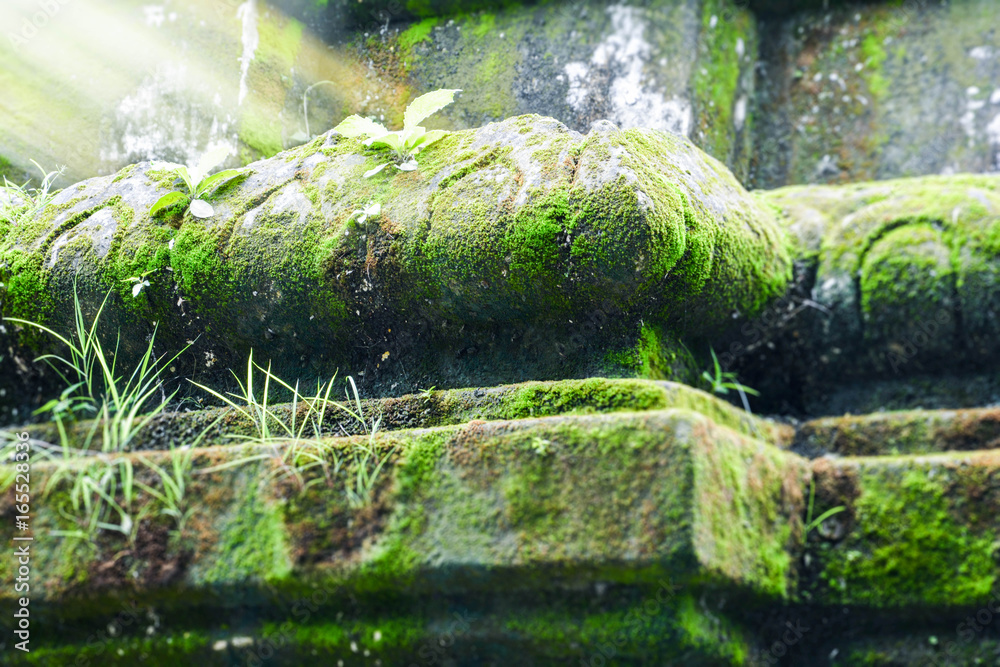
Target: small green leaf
<point>182,171</point>
<point>209,161</point>
<point>372,172</point>
<point>391,140</point>
<point>428,138</point>
<point>425,105</point>
<point>356,126</point>
<point>216,181</point>
<point>168,200</point>
<point>411,136</point>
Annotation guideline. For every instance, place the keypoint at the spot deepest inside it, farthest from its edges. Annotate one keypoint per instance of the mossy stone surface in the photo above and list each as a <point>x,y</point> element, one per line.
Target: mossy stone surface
<point>896,282</point>
<point>488,506</point>
<point>863,91</point>
<point>918,531</point>
<point>521,250</point>
<point>219,426</point>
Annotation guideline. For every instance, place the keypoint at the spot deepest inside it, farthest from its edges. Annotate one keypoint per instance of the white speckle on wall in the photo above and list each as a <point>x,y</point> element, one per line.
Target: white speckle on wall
<point>576,74</point>
<point>163,120</point>
<point>247,12</point>
<point>981,52</point>
<point>740,112</point>
<point>993,134</point>
<point>624,54</point>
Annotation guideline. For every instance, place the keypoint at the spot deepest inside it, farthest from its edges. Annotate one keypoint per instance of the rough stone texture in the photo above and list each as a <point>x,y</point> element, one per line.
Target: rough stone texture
<point>518,251</point>
<point>896,280</point>
<point>658,532</point>
<point>221,426</point>
<point>918,531</point>
<point>878,91</point>
<point>900,433</point>
<point>679,65</point>
<point>662,499</point>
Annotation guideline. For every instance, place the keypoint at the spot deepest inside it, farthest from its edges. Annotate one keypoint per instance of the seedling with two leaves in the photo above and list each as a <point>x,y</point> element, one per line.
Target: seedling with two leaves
<point>197,183</point>
<point>406,143</point>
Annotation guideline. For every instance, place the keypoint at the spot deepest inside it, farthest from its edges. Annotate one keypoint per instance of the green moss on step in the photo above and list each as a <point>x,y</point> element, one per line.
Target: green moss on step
<point>918,535</point>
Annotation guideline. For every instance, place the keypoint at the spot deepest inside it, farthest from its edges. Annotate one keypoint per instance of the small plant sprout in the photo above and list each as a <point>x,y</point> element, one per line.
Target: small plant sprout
<point>406,143</point>
<point>173,484</point>
<point>94,497</point>
<point>541,446</point>
<point>198,184</point>
<point>19,202</point>
<point>138,283</point>
<point>370,211</point>
<point>818,521</point>
<point>123,405</point>
<point>722,381</point>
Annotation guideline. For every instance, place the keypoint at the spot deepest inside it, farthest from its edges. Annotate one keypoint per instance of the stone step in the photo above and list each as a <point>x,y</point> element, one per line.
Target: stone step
<point>900,433</point>
<point>558,509</point>
<point>506,504</point>
<point>218,426</point>
<point>918,531</point>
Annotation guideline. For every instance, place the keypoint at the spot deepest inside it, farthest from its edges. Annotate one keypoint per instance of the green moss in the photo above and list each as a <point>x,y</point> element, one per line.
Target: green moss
<point>485,24</point>
<point>416,34</point>
<point>261,132</point>
<point>903,273</point>
<point>268,80</point>
<point>717,74</point>
<point>190,647</point>
<point>912,542</point>
<point>10,172</point>
<point>493,92</point>
<point>252,544</point>
<point>136,253</point>
<point>743,494</point>
<point>874,55</point>
<point>709,633</point>
<point>199,267</point>
<point>532,242</point>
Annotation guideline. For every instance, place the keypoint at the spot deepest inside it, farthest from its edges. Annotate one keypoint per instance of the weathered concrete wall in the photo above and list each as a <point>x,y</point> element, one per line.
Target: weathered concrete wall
<point>684,66</point>
<point>878,91</point>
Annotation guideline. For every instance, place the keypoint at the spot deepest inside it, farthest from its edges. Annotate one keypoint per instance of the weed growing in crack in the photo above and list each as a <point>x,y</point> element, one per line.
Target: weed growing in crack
<point>294,442</point>
<point>20,202</point>
<point>96,385</point>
